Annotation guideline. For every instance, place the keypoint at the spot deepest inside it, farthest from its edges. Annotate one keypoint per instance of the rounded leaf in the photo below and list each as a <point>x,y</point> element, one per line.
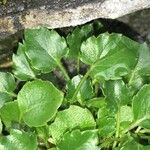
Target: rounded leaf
<point>10,113</point>
<point>73,117</point>
<point>44,48</point>
<point>18,140</point>
<point>38,102</point>
<point>77,140</point>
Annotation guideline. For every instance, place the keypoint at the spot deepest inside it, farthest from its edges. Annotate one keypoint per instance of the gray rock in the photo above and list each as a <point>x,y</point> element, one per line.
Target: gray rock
<point>139,22</point>
<point>20,14</point>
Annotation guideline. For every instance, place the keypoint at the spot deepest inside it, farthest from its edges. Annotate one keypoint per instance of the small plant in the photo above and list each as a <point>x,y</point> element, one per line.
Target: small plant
<point>104,103</point>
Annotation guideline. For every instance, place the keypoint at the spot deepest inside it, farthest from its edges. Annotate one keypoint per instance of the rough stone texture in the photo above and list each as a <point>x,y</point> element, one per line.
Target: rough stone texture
<point>140,22</point>
<point>21,14</point>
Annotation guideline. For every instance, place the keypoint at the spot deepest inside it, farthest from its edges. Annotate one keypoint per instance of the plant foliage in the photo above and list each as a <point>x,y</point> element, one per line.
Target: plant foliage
<point>104,104</point>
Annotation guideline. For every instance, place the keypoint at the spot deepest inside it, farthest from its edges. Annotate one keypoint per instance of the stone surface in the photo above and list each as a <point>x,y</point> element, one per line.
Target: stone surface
<point>20,14</point>
<point>140,22</point>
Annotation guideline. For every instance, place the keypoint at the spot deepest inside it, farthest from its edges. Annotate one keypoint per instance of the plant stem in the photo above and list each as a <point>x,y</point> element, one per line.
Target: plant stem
<point>78,65</point>
<point>96,89</point>
<point>117,128</point>
<point>11,94</point>
<point>132,77</point>
<point>63,70</point>
<point>145,131</point>
<point>135,124</point>
<point>80,83</point>
<point>6,65</point>
<point>138,129</point>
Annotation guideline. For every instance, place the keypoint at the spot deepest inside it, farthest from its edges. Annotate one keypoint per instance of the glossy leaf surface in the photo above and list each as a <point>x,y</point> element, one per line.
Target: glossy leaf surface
<point>117,94</point>
<point>22,68</point>
<point>39,100</point>
<point>18,140</point>
<point>7,86</point>
<point>110,55</point>
<point>76,38</point>
<point>86,91</point>
<point>10,113</point>
<point>141,106</point>
<point>44,48</point>
<point>77,140</point>
<point>73,117</point>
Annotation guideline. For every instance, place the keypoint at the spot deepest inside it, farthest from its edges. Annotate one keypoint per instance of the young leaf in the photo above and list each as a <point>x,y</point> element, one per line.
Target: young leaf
<point>10,113</point>
<point>7,86</point>
<point>86,91</point>
<point>39,100</point>
<point>18,140</point>
<point>109,55</point>
<point>117,94</point>
<point>22,68</point>
<point>75,39</point>
<point>85,140</point>
<point>43,133</point>
<point>44,48</point>
<point>73,117</point>
<point>141,106</point>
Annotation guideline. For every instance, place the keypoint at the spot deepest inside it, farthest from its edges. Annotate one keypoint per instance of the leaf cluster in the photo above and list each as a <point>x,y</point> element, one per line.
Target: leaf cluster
<point>104,103</point>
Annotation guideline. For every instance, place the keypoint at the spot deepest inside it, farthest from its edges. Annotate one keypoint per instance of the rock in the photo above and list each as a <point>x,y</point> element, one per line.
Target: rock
<point>17,15</point>
<point>139,22</point>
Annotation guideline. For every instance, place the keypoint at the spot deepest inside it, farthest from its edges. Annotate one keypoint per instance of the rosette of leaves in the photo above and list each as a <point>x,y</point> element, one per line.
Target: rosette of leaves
<point>106,107</point>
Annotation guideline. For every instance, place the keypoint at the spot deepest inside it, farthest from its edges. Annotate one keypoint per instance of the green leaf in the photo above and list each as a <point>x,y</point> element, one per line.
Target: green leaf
<point>44,48</point>
<point>117,94</point>
<point>43,133</point>
<point>106,122</point>
<point>133,145</point>
<point>77,140</point>
<point>143,64</point>
<point>141,106</point>
<point>1,126</point>
<point>97,102</point>
<point>109,55</point>
<point>39,100</point>
<point>86,91</point>
<point>18,140</point>
<point>126,116</point>
<point>73,117</point>
<point>142,69</point>
<point>7,86</point>
<point>76,38</point>
<point>10,113</point>
<point>4,97</point>
<point>22,68</point>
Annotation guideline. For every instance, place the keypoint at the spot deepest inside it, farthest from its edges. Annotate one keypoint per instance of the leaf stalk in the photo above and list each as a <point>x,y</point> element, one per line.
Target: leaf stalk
<point>61,67</point>
<point>117,127</point>
<point>81,83</point>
